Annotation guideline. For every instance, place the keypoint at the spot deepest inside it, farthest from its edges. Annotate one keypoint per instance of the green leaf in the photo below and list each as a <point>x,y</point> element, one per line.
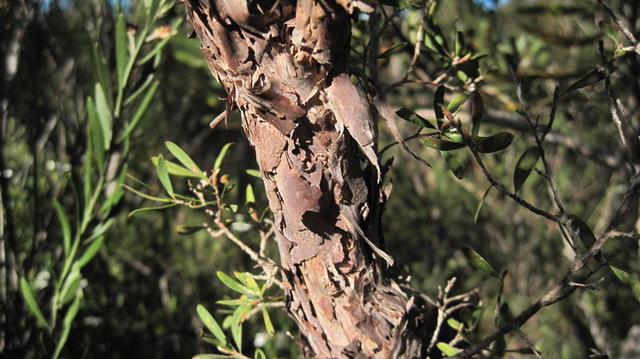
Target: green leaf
<point>116,195</point>
<point>479,207</point>
<point>624,276</point>
<point>95,131</point>
<point>454,323</point>
<point>477,109</point>
<point>184,158</point>
<point>453,163</point>
<point>479,262</point>
<point>211,356</point>
<point>248,281</point>
<point>456,102</point>
<point>235,302</point>
<point>413,117</point>
<point>253,173</point>
<point>268,326</point>
<point>136,212</point>
<point>584,232</point>
<point>447,349</point>
<point>104,116</point>
<point>249,196</point>
<point>259,354</point>
<point>438,102</point>
<point>236,333</point>
<point>70,286</point>
<point>149,197</point>
<point>163,176</point>
<point>176,169</point>
<point>104,77</point>
<point>525,164</point>
<point>142,89</point>
<point>122,52</point>
<point>494,143</point>
<point>592,77</point>
<point>186,230</point>
<point>140,110</point>
<point>232,283</point>
<point>30,301</point>
<point>211,324</point>
<point>66,325</point>
<point>395,48</point>
<point>90,252</point>
<point>223,152</point>
<point>66,227</point>
<point>441,145</point>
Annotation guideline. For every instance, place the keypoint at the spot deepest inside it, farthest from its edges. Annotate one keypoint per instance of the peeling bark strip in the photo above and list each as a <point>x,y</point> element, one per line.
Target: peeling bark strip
<point>283,65</point>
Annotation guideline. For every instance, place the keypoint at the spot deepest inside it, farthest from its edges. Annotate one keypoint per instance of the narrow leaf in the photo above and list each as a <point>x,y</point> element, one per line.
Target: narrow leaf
<point>30,301</point>
<point>397,47</point>
<point>176,169</point>
<point>438,102</point>
<point>211,324</point>
<point>494,143</point>
<point>104,116</point>
<point>183,157</point>
<point>479,262</point>
<point>525,164</point>
<point>223,152</point>
<point>441,145</point>
<point>140,110</point>
<point>122,55</point>
<point>456,102</point>
<point>268,326</point>
<point>592,77</point>
<point>163,176</point>
<point>232,283</point>
<point>147,209</point>
<point>447,349</point>
<point>584,232</point>
<point>90,252</point>
<point>96,133</point>
<point>104,77</point>
<point>479,207</point>
<point>66,227</point>
<point>249,196</point>
<point>477,109</point>
<point>253,173</point>
<point>453,163</point>
<point>66,325</point>
<point>413,117</point>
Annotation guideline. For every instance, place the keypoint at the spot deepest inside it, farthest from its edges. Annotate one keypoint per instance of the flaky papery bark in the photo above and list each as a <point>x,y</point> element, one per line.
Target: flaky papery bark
<point>283,66</point>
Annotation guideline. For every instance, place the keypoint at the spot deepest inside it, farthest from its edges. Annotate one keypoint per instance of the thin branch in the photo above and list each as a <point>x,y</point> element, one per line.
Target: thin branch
<point>562,288</point>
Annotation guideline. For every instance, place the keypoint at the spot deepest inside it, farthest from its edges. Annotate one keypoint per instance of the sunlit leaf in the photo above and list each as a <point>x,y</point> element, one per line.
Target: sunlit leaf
<point>122,53</point>
<point>494,143</point>
<point>236,333</point>
<point>253,173</point>
<point>175,169</point>
<point>268,326</point>
<point>183,157</point>
<point>221,155</point>
<point>30,301</point>
<point>525,164</point>
<point>64,223</point>
<point>102,71</point>
<point>456,102</point>
<point>454,323</point>
<point>447,349</point>
<point>232,283</point>
<point>104,116</point>
<point>95,131</point>
<point>211,324</point>
<point>479,262</point>
<point>259,354</point>
<point>163,176</point>
<point>413,117</point>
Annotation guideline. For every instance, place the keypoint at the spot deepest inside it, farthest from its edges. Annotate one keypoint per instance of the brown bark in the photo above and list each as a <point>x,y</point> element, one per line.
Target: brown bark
<point>283,65</point>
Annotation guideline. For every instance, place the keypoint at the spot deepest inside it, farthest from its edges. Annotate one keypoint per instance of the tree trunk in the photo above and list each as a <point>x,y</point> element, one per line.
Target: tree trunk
<point>283,65</point>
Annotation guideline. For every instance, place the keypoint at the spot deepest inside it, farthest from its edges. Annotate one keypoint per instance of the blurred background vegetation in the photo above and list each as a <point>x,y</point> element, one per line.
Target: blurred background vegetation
<point>132,286</point>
